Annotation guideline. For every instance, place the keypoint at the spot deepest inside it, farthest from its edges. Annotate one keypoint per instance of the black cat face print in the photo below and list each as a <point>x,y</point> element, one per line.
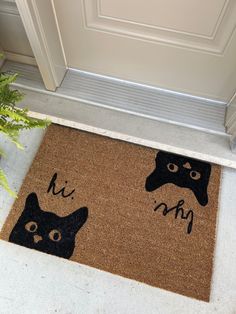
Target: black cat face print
<point>45,231</point>
<point>181,171</point>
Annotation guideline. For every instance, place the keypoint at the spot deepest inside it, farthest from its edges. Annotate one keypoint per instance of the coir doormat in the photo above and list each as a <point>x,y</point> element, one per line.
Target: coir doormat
<point>134,211</point>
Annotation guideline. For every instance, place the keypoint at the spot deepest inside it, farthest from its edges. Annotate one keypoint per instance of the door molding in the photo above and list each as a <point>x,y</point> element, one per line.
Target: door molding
<point>214,42</point>
<point>38,17</point>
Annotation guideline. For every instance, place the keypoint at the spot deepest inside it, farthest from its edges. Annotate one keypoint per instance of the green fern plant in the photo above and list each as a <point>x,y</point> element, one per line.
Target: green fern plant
<point>13,119</point>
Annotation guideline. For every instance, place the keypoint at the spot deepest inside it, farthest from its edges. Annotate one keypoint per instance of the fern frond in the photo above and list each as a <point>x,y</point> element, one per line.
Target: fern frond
<point>5,185</point>
<point>12,118</point>
<point>2,153</point>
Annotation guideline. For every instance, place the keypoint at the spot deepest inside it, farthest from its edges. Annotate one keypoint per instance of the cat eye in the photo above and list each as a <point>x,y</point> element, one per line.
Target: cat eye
<point>172,167</point>
<point>31,226</point>
<point>195,175</point>
<point>55,235</point>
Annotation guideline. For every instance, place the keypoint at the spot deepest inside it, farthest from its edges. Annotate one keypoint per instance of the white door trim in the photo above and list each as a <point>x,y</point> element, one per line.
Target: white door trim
<point>41,28</point>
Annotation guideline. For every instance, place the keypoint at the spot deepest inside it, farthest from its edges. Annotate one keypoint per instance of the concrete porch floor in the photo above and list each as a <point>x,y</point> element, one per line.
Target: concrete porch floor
<point>33,282</point>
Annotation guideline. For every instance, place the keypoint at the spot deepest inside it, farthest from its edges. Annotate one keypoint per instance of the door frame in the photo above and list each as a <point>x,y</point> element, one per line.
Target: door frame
<point>39,19</point>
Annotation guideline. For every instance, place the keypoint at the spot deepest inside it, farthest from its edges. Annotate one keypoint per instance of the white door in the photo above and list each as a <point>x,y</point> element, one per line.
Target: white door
<point>182,45</point>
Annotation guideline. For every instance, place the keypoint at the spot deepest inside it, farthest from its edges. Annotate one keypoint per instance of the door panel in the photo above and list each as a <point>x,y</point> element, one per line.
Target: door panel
<point>183,45</point>
<point>157,14</point>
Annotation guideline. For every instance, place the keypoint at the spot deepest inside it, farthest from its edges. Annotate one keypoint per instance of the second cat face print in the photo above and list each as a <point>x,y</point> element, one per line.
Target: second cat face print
<point>181,171</point>
<point>46,231</point>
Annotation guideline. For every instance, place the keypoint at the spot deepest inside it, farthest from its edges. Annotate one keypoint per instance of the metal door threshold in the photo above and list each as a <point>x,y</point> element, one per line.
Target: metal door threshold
<point>138,99</point>
<point>131,112</point>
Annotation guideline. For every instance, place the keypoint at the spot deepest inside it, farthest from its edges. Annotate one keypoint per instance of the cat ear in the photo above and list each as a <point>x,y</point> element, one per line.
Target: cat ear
<point>32,202</point>
<point>76,220</point>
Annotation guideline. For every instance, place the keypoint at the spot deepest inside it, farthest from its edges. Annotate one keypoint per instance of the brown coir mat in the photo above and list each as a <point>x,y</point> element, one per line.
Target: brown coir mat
<point>134,211</point>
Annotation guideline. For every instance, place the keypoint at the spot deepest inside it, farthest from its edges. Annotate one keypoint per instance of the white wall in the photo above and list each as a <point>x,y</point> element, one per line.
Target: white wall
<point>13,37</point>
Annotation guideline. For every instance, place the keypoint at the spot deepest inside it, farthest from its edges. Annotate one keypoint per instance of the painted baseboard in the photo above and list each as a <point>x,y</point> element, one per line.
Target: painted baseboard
<point>16,57</point>
<point>66,106</point>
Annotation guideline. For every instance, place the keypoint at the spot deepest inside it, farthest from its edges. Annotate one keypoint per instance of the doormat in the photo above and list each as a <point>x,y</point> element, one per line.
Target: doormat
<point>130,210</point>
